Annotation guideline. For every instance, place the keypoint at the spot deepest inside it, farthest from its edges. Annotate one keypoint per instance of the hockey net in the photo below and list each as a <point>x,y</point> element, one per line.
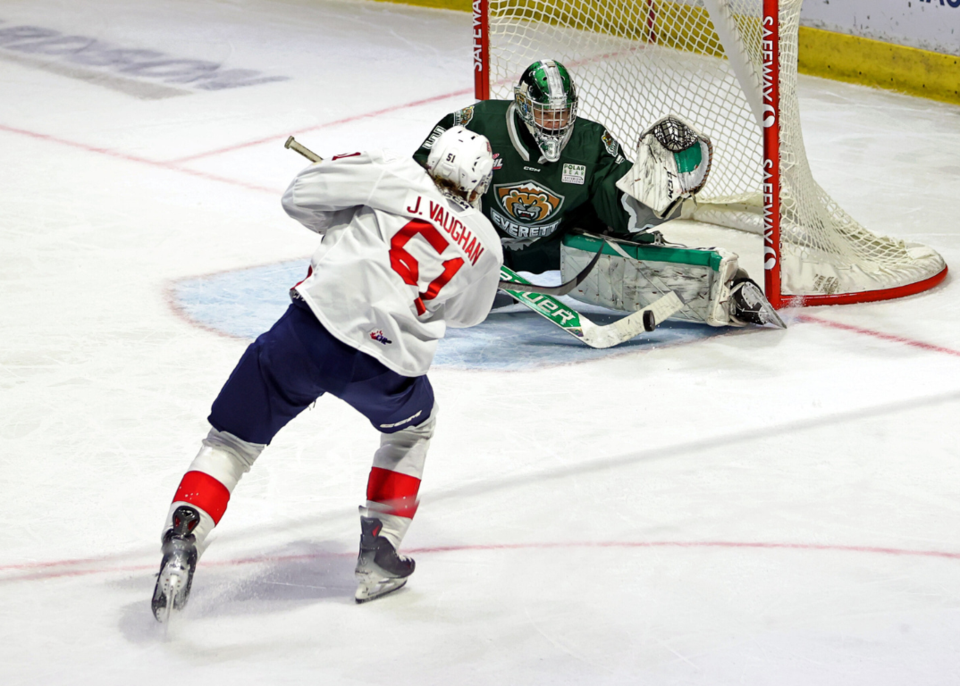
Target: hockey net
<point>635,61</point>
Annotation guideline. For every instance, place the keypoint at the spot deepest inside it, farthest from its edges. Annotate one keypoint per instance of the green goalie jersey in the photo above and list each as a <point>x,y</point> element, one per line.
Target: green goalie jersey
<point>531,202</point>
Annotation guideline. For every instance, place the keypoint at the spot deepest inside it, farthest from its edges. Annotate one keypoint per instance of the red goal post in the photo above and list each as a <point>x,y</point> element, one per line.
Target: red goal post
<point>730,67</point>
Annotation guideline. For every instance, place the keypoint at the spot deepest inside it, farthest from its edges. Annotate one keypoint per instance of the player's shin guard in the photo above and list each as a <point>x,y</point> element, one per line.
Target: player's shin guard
<point>391,503</point>
<point>197,507</point>
<point>395,477</point>
<point>210,479</point>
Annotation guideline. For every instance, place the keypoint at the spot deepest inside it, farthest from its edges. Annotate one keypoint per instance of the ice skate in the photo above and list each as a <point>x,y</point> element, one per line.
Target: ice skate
<point>750,306</point>
<point>380,570</point>
<point>178,564</point>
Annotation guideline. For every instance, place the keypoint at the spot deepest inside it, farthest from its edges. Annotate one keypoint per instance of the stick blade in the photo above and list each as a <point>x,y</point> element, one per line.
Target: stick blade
<point>630,326</point>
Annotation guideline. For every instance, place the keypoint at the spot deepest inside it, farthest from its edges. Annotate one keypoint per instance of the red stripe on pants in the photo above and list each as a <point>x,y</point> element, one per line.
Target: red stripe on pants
<point>395,490</point>
<point>205,492</point>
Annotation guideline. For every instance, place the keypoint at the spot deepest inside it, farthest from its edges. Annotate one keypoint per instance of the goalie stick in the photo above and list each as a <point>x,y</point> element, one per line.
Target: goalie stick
<point>579,326</point>
<point>563,288</point>
<point>553,310</point>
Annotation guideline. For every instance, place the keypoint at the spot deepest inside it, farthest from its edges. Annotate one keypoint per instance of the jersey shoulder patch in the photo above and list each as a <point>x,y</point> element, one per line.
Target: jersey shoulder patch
<point>610,143</point>
<point>463,117</point>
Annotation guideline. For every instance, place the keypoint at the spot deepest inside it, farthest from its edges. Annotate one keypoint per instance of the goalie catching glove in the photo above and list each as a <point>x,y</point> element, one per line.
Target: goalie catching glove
<point>673,162</point>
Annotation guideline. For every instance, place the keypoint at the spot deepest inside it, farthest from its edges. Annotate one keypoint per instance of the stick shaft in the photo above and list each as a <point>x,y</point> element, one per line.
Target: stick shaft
<point>306,152</point>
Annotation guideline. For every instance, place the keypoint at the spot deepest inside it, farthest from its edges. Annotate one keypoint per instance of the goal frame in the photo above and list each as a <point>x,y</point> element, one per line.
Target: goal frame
<point>771,137</point>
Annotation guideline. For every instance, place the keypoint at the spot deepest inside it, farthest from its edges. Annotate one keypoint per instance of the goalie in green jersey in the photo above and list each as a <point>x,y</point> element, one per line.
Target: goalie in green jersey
<point>552,172</point>
<point>555,172</point>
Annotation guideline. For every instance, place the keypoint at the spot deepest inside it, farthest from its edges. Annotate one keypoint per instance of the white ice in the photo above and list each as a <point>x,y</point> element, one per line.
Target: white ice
<point>760,507</point>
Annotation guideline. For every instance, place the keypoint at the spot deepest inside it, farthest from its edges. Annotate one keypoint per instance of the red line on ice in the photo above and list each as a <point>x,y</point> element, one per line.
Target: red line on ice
<point>347,120</point>
<point>338,122</point>
<point>879,334</point>
<point>27,573</point>
<point>175,165</point>
<point>171,166</point>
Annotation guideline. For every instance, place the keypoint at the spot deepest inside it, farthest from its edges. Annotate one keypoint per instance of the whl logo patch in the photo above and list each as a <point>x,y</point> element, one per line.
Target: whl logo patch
<point>379,337</point>
<point>528,202</point>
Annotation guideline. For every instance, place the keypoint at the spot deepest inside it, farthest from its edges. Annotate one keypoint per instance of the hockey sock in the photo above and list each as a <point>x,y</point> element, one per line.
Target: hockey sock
<point>395,477</point>
<point>211,478</point>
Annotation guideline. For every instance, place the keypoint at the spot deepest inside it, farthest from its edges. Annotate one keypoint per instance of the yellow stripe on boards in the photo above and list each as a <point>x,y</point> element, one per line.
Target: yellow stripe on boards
<point>821,53</point>
<point>884,65</point>
<point>459,5</point>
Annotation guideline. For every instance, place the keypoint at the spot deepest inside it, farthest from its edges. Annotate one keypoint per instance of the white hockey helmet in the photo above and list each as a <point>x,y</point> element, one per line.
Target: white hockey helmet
<point>463,160</point>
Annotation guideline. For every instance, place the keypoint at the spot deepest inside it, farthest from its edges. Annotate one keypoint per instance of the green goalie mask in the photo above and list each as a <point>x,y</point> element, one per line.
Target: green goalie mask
<point>546,100</point>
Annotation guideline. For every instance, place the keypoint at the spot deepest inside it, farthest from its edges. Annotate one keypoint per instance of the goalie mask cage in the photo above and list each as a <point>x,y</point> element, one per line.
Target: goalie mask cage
<point>730,68</point>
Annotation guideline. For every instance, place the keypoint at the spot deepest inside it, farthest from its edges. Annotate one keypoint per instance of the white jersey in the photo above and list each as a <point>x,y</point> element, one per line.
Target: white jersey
<point>399,261</point>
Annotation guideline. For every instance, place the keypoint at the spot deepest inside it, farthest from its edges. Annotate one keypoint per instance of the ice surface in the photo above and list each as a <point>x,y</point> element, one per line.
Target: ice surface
<point>755,507</point>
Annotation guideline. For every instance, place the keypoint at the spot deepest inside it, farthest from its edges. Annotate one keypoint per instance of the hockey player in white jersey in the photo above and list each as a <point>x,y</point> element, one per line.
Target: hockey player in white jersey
<point>405,253</point>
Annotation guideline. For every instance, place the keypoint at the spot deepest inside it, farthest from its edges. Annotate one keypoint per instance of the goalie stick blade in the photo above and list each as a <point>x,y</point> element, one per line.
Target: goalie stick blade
<point>563,288</point>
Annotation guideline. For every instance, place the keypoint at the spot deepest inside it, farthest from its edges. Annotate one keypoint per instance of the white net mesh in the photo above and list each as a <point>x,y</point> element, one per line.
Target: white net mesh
<point>635,61</point>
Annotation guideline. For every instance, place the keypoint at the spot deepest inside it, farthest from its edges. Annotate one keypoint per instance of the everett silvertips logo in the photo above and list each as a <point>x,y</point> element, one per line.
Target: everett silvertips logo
<point>528,202</point>
<point>610,143</point>
<point>463,117</point>
<point>379,337</point>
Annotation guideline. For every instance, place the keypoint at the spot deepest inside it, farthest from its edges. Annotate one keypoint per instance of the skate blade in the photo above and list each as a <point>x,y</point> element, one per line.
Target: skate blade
<point>171,586</point>
<point>770,317</point>
<point>371,590</point>
<point>765,311</point>
<point>165,615</point>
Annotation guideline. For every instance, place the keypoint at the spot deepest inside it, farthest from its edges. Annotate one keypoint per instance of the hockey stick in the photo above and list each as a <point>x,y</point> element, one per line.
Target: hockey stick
<point>563,288</point>
<point>306,152</point>
<point>566,318</point>
<point>579,326</point>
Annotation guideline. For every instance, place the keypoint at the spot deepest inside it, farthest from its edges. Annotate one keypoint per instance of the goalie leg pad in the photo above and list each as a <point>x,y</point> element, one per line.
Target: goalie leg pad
<point>631,276</point>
